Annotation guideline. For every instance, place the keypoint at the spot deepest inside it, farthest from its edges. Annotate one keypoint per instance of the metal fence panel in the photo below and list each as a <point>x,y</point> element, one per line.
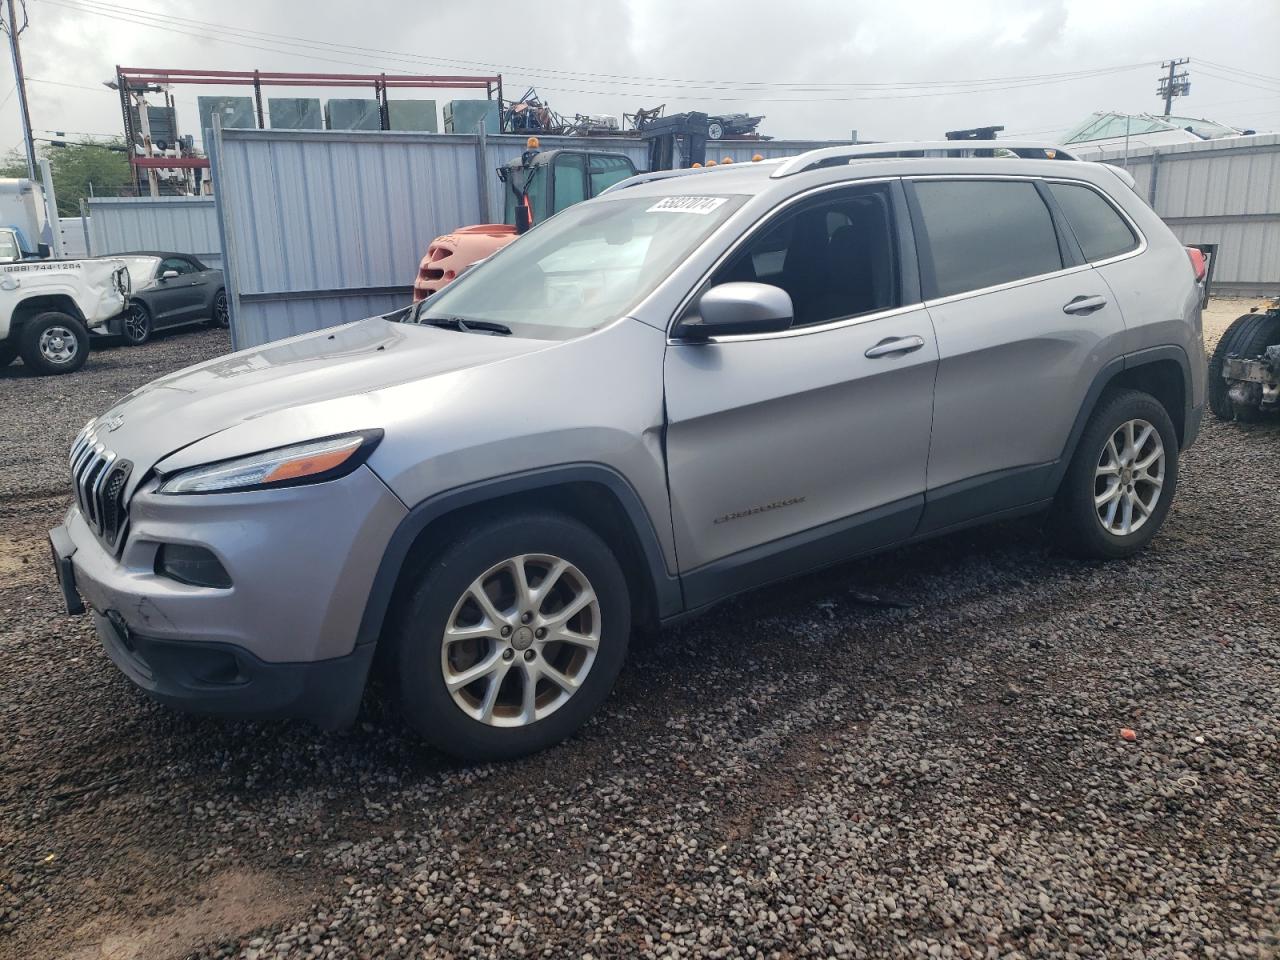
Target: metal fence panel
<point>1219,191</point>
<point>171,224</point>
<point>327,226</point>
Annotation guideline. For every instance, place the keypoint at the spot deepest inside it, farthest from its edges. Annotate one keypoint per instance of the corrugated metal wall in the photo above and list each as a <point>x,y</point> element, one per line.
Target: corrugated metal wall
<point>1219,191</point>
<point>171,224</point>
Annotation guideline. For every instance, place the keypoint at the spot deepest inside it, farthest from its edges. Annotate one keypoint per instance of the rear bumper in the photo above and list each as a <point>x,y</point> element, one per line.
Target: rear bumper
<point>221,678</point>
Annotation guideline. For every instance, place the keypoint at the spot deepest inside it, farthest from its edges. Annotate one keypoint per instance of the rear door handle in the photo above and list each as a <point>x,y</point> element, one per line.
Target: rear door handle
<point>894,345</point>
<point>1083,304</point>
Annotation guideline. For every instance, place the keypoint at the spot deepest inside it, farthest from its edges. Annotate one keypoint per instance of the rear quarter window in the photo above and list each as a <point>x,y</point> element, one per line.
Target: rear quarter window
<point>982,233</point>
<point>1100,229</point>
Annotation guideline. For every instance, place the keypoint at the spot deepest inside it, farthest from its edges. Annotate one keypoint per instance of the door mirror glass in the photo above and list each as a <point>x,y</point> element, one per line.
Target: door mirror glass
<point>168,274</point>
<point>738,307</point>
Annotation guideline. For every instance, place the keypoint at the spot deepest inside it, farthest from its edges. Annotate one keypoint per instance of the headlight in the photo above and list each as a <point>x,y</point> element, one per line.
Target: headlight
<point>300,463</point>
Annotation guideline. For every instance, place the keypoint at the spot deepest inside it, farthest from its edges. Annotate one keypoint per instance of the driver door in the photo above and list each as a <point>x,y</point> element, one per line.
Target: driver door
<point>793,450</point>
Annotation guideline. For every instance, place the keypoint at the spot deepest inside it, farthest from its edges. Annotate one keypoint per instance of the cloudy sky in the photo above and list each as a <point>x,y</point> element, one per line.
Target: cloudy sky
<point>891,69</point>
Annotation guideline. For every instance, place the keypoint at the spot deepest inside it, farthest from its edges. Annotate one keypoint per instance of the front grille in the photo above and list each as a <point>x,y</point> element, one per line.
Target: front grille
<point>99,477</point>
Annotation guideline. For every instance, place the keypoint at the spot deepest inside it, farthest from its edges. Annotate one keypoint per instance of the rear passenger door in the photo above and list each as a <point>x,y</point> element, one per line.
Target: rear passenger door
<point>1023,327</point>
<point>787,451</point>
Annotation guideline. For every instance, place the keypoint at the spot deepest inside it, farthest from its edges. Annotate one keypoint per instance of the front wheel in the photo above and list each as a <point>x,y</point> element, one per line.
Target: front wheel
<point>54,342</point>
<point>137,326</point>
<point>1121,480</point>
<point>512,637</point>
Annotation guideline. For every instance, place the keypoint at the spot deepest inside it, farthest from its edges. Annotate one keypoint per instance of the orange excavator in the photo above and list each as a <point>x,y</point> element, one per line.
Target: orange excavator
<point>540,183</point>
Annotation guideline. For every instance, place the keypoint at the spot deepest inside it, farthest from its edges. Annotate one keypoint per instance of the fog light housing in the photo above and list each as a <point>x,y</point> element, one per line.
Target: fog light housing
<point>194,566</point>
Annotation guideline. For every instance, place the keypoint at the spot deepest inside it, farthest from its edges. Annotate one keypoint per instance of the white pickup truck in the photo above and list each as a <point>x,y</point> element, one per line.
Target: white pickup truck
<point>48,307</point>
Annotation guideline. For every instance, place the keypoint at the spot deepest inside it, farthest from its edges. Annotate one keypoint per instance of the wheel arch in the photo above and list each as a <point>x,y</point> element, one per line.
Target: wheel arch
<point>1163,371</point>
<point>594,494</point>
<point>44,303</point>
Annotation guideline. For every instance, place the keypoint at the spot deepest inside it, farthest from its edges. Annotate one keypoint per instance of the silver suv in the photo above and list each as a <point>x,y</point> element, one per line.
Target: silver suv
<point>688,387</point>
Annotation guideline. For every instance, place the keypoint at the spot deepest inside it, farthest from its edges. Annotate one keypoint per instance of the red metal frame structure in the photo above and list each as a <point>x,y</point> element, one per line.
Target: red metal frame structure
<point>139,78</point>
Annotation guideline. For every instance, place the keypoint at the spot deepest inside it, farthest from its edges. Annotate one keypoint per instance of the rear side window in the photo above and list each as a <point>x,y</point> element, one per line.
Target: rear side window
<point>981,233</point>
<point>1100,229</point>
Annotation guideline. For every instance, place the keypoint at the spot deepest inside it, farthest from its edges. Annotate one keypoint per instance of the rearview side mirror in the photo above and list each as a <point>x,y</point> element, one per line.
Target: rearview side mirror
<point>168,274</point>
<point>733,309</point>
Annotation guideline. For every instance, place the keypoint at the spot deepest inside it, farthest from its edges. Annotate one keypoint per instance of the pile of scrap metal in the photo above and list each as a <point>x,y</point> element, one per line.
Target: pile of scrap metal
<point>1244,371</point>
<point>530,115</point>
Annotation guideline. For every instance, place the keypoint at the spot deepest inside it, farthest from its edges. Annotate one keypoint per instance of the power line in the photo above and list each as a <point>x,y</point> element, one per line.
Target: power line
<point>1247,73</point>
<point>166,21</point>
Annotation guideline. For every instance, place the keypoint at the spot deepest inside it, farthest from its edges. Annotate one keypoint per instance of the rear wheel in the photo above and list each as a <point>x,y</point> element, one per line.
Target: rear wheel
<point>137,326</point>
<point>54,343</point>
<point>1248,336</point>
<point>1122,477</point>
<point>512,637</point>
<point>221,314</point>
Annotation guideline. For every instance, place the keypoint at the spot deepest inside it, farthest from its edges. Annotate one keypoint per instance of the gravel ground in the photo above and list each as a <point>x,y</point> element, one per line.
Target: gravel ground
<point>808,771</point>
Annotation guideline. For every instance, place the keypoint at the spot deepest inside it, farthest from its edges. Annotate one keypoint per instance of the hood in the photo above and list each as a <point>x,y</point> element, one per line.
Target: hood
<point>351,360</point>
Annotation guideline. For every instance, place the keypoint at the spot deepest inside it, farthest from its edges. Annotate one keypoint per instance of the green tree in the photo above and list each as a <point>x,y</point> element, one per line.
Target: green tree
<point>74,167</point>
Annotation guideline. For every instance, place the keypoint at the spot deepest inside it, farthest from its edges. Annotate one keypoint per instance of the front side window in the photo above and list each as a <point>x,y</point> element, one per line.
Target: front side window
<point>583,268</point>
<point>1101,231</point>
<point>981,233</point>
<point>9,247</point>
<point>176,263</point>
<point>834,256</point>
<point>571,182</point>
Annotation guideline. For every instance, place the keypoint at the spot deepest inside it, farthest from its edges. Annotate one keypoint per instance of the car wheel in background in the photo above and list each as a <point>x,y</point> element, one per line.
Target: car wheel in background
<point>221,316</point>
<point>137,327</point>
<point>1248,336</point>
<point>8,353</point>
<point>1122,478</point>
<point>54,343</point>
<point>511,637</point>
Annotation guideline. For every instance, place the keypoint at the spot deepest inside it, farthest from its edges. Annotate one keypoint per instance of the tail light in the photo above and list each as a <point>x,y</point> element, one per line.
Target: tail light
<point>1197,262</point>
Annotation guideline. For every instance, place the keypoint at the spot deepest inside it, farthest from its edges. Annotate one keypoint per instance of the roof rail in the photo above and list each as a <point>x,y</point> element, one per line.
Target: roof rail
<point>652,175</point>
<point>834,156</point>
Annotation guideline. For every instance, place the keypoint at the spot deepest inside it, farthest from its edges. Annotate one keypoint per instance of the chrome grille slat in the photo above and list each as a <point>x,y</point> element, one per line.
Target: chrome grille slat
<point>99,477</point>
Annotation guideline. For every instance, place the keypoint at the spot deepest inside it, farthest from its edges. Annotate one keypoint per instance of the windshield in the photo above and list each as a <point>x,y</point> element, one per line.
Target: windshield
<point>9,247</point>
<point>582,268</point>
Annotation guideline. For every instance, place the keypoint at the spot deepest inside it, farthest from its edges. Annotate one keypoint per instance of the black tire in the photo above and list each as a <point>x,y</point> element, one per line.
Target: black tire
<point>8,353</point>
<point>137,326</point>
<point>220,315</point>
<point>417,673</point>
<point>1248,336</point>
<point>1077,524</point>
<point>39,353</point>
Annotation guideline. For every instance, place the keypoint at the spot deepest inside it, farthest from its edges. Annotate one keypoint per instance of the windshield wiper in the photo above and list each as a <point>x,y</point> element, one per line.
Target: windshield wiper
<point>467,326</point>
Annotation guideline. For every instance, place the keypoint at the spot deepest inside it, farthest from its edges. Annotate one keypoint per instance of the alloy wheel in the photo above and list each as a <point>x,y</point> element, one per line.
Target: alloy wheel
<point>1129,477</point>
<point>521,640</point>
<point>58,345</point>
<point>137,324</point>
<point>220,313</point>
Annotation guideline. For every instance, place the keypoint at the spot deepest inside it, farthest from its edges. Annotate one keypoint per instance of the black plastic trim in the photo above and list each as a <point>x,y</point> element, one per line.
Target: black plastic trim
<point>666,587</point>
<point>803,552</point>
<point>958,503</point>
<point>325,692</point>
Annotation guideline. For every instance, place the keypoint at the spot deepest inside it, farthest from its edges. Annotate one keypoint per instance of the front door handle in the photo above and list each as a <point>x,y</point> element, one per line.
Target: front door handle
<point>893,346</point>
<point>1083,304</point>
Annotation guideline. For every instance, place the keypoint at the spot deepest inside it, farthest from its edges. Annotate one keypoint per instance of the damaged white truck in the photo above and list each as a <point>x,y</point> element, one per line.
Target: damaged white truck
<point>48,308</point>
<point>1244,372</point>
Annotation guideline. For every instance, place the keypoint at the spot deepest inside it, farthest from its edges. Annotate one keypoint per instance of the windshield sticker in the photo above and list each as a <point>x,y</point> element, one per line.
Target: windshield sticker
<point>701,205</point>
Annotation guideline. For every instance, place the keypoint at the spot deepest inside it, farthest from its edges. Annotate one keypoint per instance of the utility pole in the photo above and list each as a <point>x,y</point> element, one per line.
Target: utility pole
<point>1174,85</point>
<point>11,27</point>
